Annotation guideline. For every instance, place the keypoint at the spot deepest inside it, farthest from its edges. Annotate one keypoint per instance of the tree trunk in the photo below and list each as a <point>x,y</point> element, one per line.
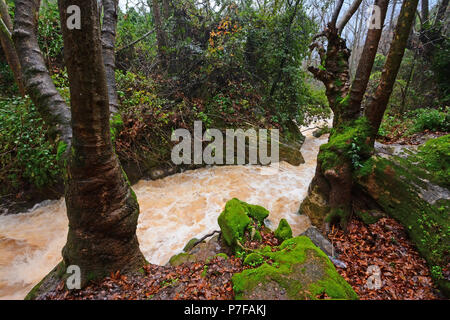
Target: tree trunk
<point>351,11</point>
<point>109,43</point>
<point>8,47</point>
<point>365,65</point>
<point>161,37</point>
<point>329,198</point>
<point>37,80</point>
<point>425,11</point>
<point>377,105</point>
<point>101,206</point>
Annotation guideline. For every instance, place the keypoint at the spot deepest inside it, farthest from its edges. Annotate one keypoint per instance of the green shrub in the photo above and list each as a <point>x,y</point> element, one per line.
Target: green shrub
<point>431,119</point>
<point>27,156</point>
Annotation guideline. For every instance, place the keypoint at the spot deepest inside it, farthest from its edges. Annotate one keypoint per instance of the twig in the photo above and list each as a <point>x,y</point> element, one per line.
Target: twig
<point>204,237</point>
<point>135,41</point>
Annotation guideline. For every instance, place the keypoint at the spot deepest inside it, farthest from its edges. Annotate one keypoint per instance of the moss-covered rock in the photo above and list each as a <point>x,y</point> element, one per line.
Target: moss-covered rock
<point>405,190</point>
<point>253,259</point>
<point>284,231</point>
<point>298,270</point>
<point>181,258</point>
<point>237,217</point>
<point>188,247</point>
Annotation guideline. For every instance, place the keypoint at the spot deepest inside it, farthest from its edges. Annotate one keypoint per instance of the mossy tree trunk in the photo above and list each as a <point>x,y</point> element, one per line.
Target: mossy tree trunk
<point>351,141</point>
<point>101,206</point>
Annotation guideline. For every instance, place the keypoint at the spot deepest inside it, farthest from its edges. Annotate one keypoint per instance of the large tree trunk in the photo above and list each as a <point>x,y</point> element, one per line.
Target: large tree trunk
<point>329,198</point>
<point>8,46</point>
<point>101,206</point>
<point>38,82</point>
<point>109,26</point>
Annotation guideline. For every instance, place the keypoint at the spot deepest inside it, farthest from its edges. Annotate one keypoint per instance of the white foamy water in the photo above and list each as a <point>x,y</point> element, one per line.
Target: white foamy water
<point>173,211</point>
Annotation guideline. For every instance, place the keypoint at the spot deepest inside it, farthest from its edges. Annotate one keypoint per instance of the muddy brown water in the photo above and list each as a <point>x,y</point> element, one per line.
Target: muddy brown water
<point>173,211</point>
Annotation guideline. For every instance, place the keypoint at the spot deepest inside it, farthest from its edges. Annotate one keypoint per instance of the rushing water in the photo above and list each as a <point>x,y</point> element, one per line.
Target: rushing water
<point>173,211</point>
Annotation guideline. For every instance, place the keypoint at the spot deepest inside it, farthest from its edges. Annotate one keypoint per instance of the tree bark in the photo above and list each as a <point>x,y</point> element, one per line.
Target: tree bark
<point>101,206</point>
<point>8,47</point>
<point>365,65</point>
<point>37,80</point>
<point>377,106</point>
<point>425,11</point>
<point>329,197</point>
<point>348,15</point>
<point>109,26</point>
<point>161,37</point>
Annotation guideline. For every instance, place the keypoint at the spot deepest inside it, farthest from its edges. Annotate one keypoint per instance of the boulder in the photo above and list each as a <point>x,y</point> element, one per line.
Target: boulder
<point>297,270</point>
<point>283,231</point>
<point>412,187</point>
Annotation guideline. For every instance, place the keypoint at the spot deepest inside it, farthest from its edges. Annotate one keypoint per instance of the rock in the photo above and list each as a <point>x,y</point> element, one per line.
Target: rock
<point>181,258</point>
<point>283,231</point>
<point>320,240</point>
<point>236,217</point>
<point>408,190</point>
<point>201,252</point>
<point>190,244</point>
<point>300,270</point>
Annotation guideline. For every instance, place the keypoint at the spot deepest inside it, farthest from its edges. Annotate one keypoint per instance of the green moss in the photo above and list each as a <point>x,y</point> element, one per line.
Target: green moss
<point>298,267</point>
<point>283,231</point>
<point>61,149</point>
<point>434,156</point>
<point>253,259</point>
<point>58,272</point>
<point>188,247</point>
<point>348,142</point>
<point>116,125</point>
<point>222,255</point>
<point>204,272</point>
<point>366,217</point>
<point>257,236</point>
<point>181,258</point>
<point>257,212</point>
<point>398,186</point>
<point>233,221</point>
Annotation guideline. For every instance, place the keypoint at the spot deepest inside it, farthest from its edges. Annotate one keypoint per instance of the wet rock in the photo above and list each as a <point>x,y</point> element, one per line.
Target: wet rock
<point>299,270</point>
<point>320,240</point>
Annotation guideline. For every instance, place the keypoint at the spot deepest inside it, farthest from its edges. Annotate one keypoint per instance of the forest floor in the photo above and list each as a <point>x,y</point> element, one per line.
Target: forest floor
<point>404,274</point>
<point>385,244</point>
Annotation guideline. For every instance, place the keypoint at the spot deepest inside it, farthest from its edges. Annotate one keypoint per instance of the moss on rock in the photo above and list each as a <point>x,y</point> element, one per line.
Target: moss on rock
<point>283,231</point>
<point>253,259</point>
<point>181,258</point>
<point>406,192</point>
<point>190,244</point>
<point>236,217</point>
<point>299,270</point>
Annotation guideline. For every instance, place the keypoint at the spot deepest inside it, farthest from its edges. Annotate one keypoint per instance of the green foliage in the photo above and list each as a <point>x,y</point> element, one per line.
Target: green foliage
<point>434,156</point>
<point>50,35</point>
<point>412,122</point>
<point>27,156</point>
<point>431,119</point>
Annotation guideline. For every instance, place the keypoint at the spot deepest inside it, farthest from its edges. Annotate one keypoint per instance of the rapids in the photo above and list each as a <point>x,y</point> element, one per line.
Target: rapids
<point>173,211</point>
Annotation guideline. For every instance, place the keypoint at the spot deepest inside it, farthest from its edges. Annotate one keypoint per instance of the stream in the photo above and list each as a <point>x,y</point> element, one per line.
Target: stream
<point>173,211</point>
